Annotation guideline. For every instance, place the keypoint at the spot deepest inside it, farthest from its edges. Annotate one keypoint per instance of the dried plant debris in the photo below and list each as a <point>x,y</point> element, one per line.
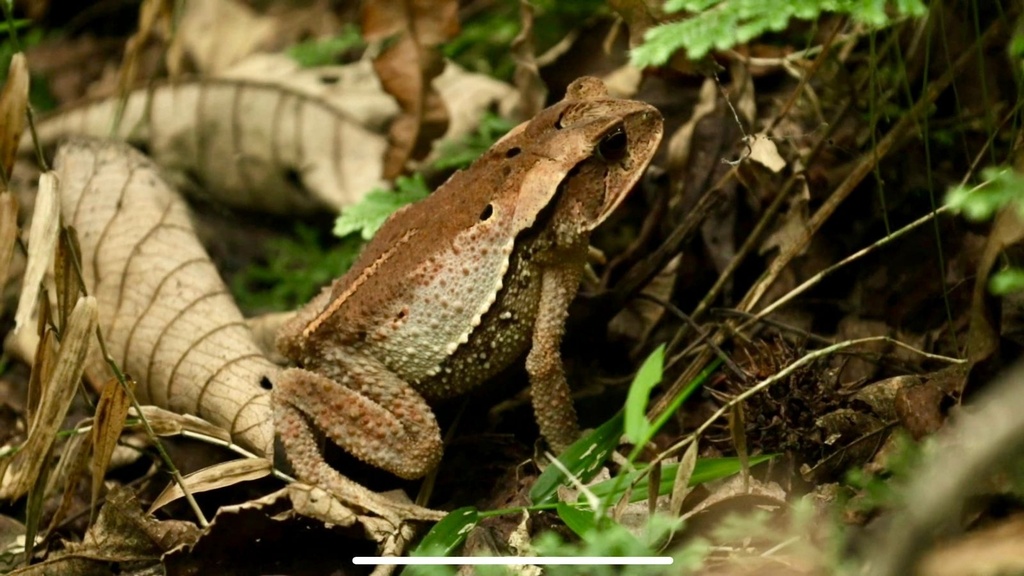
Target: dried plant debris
<point>58,389</point>
<point>122,534</point>
<point>823,427</point>
<point>168,319</point>
<point>251,145</point>
<point>411,33</point>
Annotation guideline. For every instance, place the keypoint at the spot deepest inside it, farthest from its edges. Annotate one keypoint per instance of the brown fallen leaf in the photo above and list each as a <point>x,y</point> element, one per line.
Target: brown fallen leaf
<point>111,410</point>
<point>156,20</point>
<point>166,315</point>
<point>13,107</point>
<point>411,33</point>
<point>8,234</point>
<point>122,533</point>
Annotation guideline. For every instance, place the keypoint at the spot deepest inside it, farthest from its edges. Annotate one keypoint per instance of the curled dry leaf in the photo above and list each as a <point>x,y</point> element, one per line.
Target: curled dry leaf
<point>109,420</point>
<point>42,240</point>
<point>213,477</point>
<point>252,145</point>
<point>166,315</point>
<point>413,31</point>
<point>8,234</point>
<point>764,151</point>
<point>681,485</point>
<point>57,394</point>
<point>167,423</point>
<point>13,106</point>
<point>155,21</point>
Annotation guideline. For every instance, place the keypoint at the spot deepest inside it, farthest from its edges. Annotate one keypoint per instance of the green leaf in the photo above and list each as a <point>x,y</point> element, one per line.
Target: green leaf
<point>457,154</point>
<point>1001,186</point>
<point>369,214</point>
<point>16,24</point>
<point>294,269</point>
<point>706,470</point>
<point>636,424</point>
<point>1006,281</point>
<point>581,522</point>
<point>583,459</point>
<point>722,24</point>
<point>448,534</point>
<point>326,51</point>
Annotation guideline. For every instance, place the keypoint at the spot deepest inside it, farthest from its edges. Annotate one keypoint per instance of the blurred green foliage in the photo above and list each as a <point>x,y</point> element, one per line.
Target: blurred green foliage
<point>722,24</point>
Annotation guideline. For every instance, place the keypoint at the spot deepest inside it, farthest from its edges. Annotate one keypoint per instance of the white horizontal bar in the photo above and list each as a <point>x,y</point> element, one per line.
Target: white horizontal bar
<point>511,560</point>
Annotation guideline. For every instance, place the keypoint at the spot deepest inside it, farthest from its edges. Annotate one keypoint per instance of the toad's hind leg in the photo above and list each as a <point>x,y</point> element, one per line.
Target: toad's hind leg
<point>367,410</point>
<point>372,414</point>
<point>302,449</point>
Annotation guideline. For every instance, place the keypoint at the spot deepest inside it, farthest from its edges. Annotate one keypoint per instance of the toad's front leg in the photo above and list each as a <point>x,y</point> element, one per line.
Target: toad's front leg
<point>549,390</point>
<point>368,411</point>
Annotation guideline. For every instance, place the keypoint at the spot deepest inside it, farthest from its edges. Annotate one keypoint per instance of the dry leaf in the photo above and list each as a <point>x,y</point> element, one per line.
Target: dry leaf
<point>637,15</point>
<point>318,503</point>
<point>792,226</point>
<point>734,490</point>
<point>67,284</point>
<point>624,81</point>
<point>215,46</point>
<point>123,533</point>
<point>641,315</point>
<point>533,93</point>
<point>58,392</point>
<point>155,21</point>
<point>13,106</point>
<point>167,423</point>
<point>42,240</point>
<point>214,477</point>
<point>74,460</point>
<point>8,234</point>
<point>469,96</point>
<point>983,335</point>
<point>252,145</point>
<point>764,151</point>
<point>106,430</point>
<point>680,145</point>
<point>681,485</point>
<point>411,33</point>
<point>166,315</point>
<point>353,89</point>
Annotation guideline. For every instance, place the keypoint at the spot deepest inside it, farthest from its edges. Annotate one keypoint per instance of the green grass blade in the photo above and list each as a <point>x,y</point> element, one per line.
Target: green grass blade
<point>706,470</point>
<point>638,428</point>
<point>583,459</point>
<point>448,534</point>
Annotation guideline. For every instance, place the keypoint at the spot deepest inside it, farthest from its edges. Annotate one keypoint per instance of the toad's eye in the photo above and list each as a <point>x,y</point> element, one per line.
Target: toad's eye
<point>612,147</point>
